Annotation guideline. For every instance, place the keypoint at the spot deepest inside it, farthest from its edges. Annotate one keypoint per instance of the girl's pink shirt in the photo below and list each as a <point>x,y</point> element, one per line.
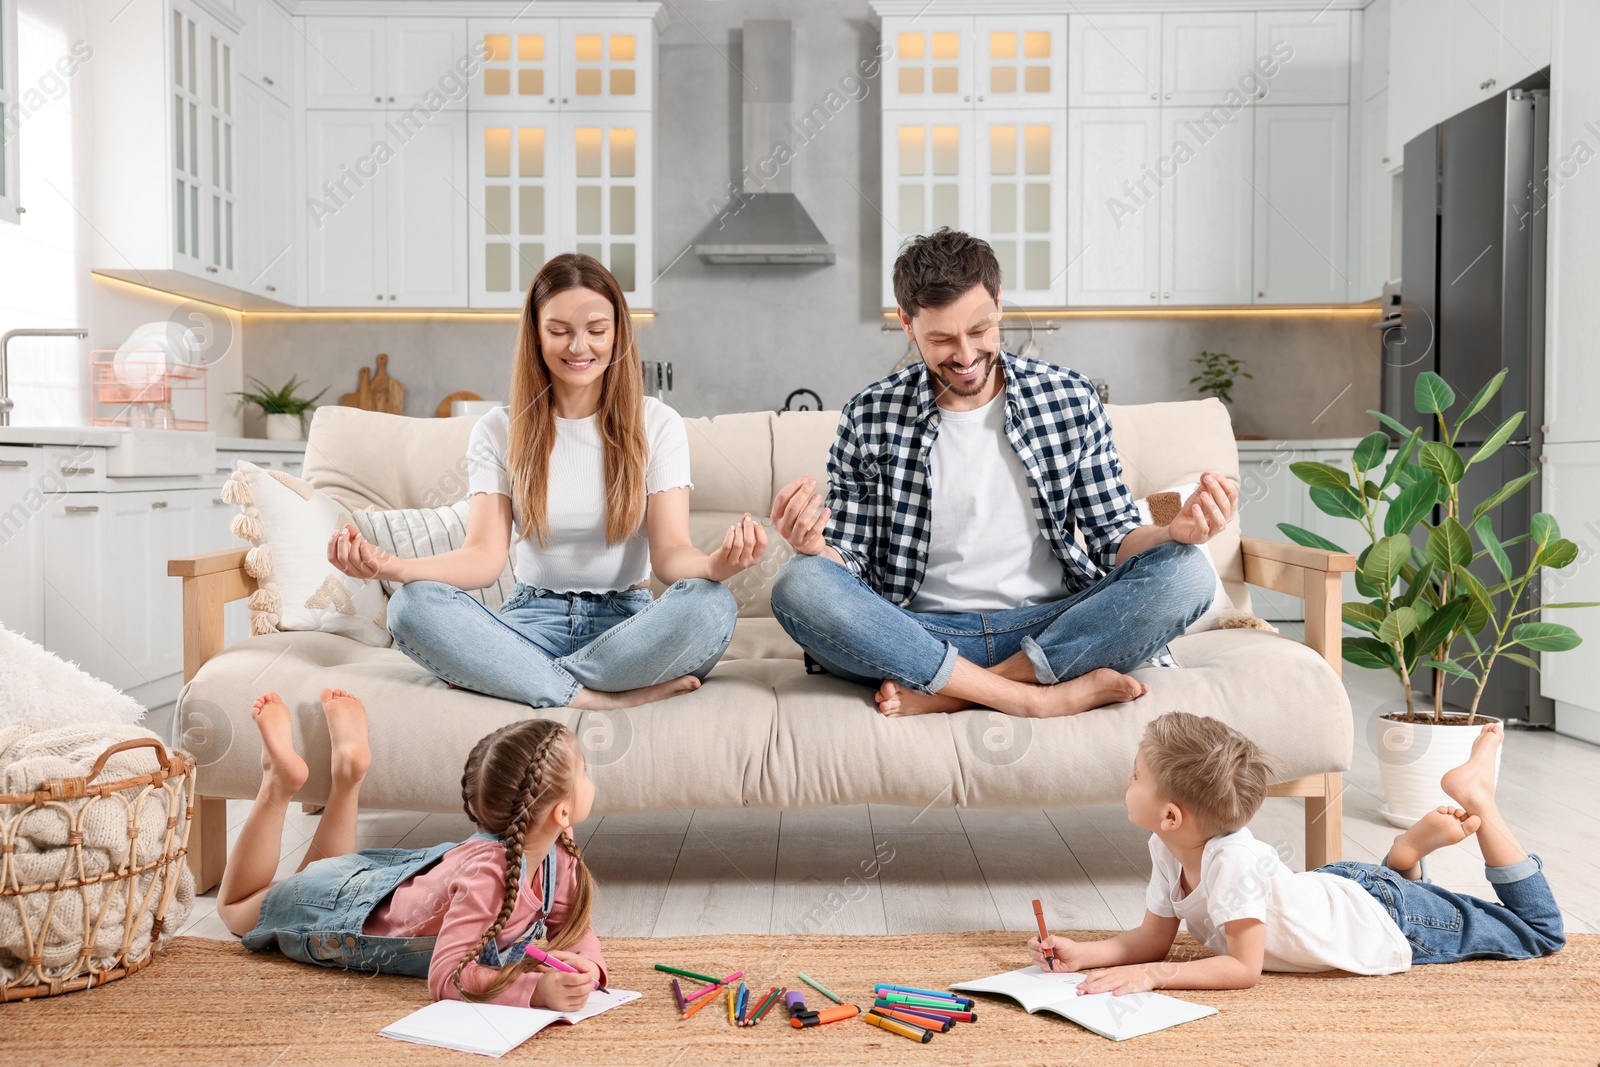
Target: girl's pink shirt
<point>457,899</point>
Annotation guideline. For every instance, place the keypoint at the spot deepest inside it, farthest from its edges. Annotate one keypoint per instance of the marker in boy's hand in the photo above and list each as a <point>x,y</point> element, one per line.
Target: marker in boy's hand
<point>562,990</point>
<point>1055,953</point>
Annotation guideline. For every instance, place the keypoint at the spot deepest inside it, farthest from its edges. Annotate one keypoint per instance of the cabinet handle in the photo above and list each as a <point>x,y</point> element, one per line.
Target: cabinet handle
<point>20,464</point>
<point>211,270</point>
<point>267,80</point>
<point>391,100</point>
<point>1260,295</point>
<point>82,509</point>
<point>263,462</point>
<point>1169,96</point>
<point>224,470</point>
<point>391,296</point>
<point>377,100</point>
<point>1155,96</point>
<point>1385,159</point>
<point>1487,84</point>
<point>966,99</point>
<point>1152,296</point>
<point>69,471</point>
<point>158,504</point>
<point>563,100</point>
<point>274,288</point>
<point>218,502</point>
<point>379,298</point>
<point>1166,296</point>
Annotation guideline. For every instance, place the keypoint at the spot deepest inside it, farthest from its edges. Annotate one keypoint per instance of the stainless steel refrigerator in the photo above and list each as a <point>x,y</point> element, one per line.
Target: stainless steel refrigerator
<point>1472,301</point>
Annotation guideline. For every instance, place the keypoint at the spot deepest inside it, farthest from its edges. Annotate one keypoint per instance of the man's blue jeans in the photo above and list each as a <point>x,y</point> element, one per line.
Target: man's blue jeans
<point>1119,622</point>
<point>543,646</point>
<point>1447,927</point>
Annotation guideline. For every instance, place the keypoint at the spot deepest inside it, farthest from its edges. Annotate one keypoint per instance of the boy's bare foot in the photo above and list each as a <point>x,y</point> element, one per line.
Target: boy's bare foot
<point>1472,784</point>
<point>1440,827</point>
<point>347,733</point>
<point>283,772</point>
<point>595,700</point>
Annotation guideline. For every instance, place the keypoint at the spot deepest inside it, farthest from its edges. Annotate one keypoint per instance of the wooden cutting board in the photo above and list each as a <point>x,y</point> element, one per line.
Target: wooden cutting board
<point>377,391</point>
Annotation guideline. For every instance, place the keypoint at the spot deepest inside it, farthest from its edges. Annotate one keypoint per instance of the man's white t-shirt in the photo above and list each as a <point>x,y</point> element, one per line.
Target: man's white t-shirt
<point>985,551</point>
<point>577,559</point>
<point>1314,921</point>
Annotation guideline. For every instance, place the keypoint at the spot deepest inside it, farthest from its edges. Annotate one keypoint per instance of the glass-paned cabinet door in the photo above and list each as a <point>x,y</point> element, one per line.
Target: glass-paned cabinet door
<point>188,115</point>
<point>927,179</point>
<point>515,174</point>
<point>928,62</point>
<point>520,64</point>
<point>607,64</point>
<point>221,201</point>
<point>606,172</point>
<point>1021,186</point>
<point>1021,61</point>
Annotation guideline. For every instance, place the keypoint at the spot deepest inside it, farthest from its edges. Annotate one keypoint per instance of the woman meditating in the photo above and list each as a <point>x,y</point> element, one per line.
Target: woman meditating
<point>590,479</point>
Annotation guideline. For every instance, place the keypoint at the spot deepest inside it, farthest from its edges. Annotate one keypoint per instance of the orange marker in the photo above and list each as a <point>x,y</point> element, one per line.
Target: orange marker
<point>1038,913</point>
<point>922,1021</point>
<point>832,1015</point>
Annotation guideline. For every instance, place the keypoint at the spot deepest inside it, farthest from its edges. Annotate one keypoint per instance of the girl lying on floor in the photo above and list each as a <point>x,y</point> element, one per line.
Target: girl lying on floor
<point>460,915</point>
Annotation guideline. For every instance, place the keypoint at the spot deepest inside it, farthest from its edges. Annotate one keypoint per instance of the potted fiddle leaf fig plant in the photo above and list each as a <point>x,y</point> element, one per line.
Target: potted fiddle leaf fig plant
<point>1423,607</point>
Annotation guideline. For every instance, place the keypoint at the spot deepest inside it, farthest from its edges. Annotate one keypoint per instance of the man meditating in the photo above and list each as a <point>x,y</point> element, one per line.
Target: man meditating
<point>944,567</point>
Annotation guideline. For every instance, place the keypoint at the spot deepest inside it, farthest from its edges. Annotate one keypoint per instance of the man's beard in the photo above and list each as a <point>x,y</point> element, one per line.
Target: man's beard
<point>976,387</point>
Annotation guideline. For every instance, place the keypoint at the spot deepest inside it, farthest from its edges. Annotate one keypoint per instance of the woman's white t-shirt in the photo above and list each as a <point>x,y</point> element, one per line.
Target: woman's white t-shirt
<point>577,559</point>
<point>1315,921</point>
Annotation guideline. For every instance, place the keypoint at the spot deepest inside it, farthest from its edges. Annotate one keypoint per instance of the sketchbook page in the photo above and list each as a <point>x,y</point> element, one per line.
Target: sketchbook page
<point>486,1029</point>
<point>1032,987</point>
<point>1130,1015</point>
<point>598,1002</point>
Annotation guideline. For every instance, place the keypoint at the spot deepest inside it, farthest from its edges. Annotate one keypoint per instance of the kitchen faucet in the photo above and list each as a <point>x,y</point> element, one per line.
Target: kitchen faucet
<point>6,403</point>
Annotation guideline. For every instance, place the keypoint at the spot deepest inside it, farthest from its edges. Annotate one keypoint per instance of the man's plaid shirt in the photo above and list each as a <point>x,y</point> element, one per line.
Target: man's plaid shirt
<point>878,474</point>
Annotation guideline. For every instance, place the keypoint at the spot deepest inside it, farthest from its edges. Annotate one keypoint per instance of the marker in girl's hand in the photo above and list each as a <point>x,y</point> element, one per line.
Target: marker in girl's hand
<point>539,955</point>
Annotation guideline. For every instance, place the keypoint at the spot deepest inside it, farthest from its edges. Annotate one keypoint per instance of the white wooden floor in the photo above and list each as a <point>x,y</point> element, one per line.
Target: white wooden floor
<point>872,869</point>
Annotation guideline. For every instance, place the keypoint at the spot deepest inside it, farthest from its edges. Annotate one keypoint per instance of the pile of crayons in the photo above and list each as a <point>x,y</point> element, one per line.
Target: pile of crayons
<point>741,1012</point>
<point>917,1013</point>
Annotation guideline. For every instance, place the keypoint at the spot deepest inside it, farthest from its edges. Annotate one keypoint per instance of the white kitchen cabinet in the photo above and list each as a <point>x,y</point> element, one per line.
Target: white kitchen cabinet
<point>1374,236</point>
<point>928,165</point>
<point>607,64</point>
<point>1114,60</point>
<point>520,67</point>
<point>1571,476</point>
<point>1269,494</point>
<point>607,171</point>
<point>1206,208</point>
<point>1416,72</point>
<point>1021,61</point>
<point>25,488</point>
<point>425,187</point>
<point>1374,49</point>
<point>1301,204</point>
<point>1204,55</point>
<point>364,62</point>
<point>516,196</point>
<point>929,62</point>
<point>1313,52</point>
<point>269,208</point>
<point>1021,185</point>
<point>347,231</point>
<point>267,48</point>
<point>1113,238</point>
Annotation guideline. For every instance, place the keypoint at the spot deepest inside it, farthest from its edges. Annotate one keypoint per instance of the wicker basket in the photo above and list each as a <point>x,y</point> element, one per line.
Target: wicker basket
<point>75,800</point>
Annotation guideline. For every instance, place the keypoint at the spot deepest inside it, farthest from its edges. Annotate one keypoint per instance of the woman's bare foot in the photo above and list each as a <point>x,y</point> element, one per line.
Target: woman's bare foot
<point>1472,784</point>
<point>1086,692</point>
<point>347,733</point>
<point>895,700</point>
<point>283,772</point>
<point>1439,828</point>
<point>595,700</point>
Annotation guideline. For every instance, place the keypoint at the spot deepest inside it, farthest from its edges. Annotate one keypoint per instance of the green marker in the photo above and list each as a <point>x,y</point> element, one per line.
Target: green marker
<point>696,975</point>
<point>914,1001</point>
<point>820,988</point>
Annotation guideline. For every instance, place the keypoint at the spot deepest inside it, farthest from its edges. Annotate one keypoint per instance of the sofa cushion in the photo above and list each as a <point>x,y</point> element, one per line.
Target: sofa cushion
<point>763,733</point>
<point>731,459</point>
<point>371,459</point>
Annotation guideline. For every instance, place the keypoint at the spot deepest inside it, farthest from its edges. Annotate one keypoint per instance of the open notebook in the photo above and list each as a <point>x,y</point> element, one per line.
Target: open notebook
<point>1119,1018</point>
<point>492,1029</point>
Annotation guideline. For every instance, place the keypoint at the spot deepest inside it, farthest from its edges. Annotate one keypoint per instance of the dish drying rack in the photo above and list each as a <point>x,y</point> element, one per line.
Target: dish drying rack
<point>155,393</point>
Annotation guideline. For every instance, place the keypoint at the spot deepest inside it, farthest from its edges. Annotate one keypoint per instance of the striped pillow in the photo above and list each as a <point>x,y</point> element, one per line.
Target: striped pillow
<point>414,533</point>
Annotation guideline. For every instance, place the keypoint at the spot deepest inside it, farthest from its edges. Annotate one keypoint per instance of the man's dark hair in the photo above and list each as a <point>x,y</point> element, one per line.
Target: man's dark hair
<point>933,270</point>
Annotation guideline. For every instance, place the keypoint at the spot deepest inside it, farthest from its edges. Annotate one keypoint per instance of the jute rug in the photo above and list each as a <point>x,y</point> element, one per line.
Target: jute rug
<point>211,1002</point>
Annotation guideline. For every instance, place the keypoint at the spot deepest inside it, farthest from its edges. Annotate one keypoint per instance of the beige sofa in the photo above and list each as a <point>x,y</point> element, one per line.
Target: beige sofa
<point>761,732</point>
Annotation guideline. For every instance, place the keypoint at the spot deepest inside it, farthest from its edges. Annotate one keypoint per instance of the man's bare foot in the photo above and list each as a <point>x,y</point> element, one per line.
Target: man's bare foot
<point>283,772</point>
<point>1472,784</point>
<point>347,732</point>
<point>895,700</point>
<point>595,700</point>
<point>1439,828</point>
<point>1086,692</point>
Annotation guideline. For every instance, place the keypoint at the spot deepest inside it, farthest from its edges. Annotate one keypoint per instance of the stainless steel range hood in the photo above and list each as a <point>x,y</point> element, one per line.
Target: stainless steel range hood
<point>763,221</point>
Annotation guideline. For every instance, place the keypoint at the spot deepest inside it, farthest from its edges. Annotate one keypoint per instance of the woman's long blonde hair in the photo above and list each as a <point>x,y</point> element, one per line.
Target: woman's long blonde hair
<point>513,777</point>
<point>533,419</point>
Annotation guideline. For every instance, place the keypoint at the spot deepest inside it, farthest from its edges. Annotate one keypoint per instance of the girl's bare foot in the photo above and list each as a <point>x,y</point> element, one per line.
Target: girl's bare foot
<point>347,733</point>
<point>1086,692</point>
<point>1441,827</point>
<point>595,700</point>
<point>283,772</point>
<point>1472,784</point>
<point>895,700</point>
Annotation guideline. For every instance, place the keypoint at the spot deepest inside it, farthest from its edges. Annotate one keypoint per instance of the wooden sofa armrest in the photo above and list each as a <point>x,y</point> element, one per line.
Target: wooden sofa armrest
<point>1314,575</point>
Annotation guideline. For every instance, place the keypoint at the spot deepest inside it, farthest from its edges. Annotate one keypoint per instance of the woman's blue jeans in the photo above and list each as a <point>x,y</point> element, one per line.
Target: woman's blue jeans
<point>544,646</point>
<point>1119,622</point>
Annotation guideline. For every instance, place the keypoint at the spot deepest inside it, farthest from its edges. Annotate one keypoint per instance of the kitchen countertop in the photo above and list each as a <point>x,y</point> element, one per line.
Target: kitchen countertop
<point>1309,444</point>
<point>109,436</point>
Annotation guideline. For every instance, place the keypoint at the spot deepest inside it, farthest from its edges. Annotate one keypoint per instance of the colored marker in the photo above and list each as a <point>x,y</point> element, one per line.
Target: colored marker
<point>541,956</point>
<point>916,1000</point>
<point>796,1002</point>
<point>820,988</point>
<point>677,996</point>
<point>697,1006</point>
<point>917,1015</point>
<point>832,1015</point>
<point>765,1006</point>
<point>712,988</point>
<point>1044,934</point>
<point>948,1013</point>
<point>957,1001</point>
<point>925,1022</point>
<point>681,973</point>
<point>895,1026</point>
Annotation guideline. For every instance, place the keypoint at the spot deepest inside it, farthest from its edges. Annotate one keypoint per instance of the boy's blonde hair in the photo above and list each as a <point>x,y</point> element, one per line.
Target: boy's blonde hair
<point>1212,771</point>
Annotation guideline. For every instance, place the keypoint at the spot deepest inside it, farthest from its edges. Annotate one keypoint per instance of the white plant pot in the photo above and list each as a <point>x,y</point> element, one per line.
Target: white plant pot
<point>1413,756</point>
<point>281,427</point>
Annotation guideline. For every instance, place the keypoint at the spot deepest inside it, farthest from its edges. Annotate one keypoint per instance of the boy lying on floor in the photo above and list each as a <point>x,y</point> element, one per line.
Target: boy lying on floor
<point>1195,784</point>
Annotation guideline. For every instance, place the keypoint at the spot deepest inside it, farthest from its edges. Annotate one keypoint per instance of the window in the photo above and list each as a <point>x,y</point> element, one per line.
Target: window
<point>10,120</point>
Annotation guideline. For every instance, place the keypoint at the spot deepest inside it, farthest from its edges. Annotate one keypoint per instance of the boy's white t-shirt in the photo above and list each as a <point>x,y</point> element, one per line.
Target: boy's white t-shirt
<point>1314,921</point>
<point>577,559</point>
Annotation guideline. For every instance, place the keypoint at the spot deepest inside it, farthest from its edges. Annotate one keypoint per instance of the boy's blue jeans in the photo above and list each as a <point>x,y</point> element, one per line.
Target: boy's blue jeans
<point>1119,622</point>
<point>544,646</point>
<point>1448,927</point>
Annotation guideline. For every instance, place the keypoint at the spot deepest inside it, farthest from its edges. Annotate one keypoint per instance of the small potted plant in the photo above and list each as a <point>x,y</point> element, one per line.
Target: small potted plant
<point>1424,607</point>
<point>285,411</point>
<point>1218,374</point>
